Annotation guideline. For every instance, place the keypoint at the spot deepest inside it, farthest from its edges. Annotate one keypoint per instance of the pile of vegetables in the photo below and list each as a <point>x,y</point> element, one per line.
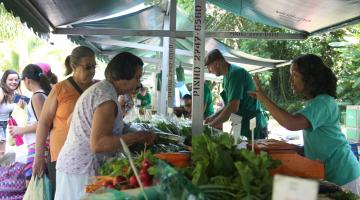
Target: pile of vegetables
<point>121,176</point>
<point>236,173</point>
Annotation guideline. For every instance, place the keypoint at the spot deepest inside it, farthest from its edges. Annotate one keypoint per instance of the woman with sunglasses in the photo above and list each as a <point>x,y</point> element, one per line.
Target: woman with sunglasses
<point>37,82</point>
<point>59,106</point>
<point>9,84</point>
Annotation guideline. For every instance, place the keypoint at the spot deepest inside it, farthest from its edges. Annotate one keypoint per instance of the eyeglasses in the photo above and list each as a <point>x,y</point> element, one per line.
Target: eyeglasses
<point>88,67</point>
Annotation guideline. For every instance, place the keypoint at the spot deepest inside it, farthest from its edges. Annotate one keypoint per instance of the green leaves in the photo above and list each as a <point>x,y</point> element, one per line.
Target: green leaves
<point>218,162</point>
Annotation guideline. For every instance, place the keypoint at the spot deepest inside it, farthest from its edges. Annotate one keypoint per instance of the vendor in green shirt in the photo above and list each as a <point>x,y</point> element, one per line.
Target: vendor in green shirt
<point>237,83</point>
<point>208,102</point>
<point>319,120</point>
<point>144,97</point>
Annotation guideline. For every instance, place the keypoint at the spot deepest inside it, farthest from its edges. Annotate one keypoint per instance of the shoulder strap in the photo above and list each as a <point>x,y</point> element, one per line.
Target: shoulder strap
<point>75,85</point>
<point>32,106</point>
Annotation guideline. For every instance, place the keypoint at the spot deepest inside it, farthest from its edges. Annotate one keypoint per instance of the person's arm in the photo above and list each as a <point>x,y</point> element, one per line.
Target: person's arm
<point>43,128</point>
<point>292,122</point>
<point>101,137</point>
<point>212,117</point>
<point>2,96</point>
<point>224,115</point>
<point>15,130</point>
<point>37,102</point>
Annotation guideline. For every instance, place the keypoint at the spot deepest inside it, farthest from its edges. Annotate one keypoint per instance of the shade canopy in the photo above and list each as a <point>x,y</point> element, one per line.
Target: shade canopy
<point>110,26</point>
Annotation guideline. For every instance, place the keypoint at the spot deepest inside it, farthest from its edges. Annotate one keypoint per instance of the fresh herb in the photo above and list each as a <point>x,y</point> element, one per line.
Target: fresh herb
<point>218,162</point>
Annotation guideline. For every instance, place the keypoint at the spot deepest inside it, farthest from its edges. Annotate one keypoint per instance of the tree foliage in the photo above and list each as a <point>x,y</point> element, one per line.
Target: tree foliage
<point>344,61</point>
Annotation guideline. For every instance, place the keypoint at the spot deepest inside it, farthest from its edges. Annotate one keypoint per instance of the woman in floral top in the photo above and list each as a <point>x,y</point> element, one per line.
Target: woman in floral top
<point>96,126</point>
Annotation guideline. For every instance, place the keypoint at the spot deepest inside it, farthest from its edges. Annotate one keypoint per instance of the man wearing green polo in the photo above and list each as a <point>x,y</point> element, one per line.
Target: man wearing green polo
<point>144,97</point>
<point>236,83</point>
<point>208,102</point>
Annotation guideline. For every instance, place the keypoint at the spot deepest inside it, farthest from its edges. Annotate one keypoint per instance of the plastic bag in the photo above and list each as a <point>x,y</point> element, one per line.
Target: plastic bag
<point>174,185</point>
<point>131,115</point>
<point>38,189</point>
<point>20,116</point>
<point>18,138</point>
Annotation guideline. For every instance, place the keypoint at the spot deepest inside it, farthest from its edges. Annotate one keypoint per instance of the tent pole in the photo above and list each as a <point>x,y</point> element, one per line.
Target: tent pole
<point>197,111</point>
<point>165,70</point>
<point>172,44</point>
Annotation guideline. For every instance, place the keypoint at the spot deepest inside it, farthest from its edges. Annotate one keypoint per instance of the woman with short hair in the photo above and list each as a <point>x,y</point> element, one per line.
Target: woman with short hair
<point>97,126</point>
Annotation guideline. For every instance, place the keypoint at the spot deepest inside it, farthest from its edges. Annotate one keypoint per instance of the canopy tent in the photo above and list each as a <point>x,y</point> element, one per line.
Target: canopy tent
<point>303,16</point>
<point>92,24</point>
<point>150,30</point>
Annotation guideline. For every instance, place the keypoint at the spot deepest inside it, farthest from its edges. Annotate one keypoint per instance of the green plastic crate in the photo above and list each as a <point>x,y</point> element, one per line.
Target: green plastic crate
<point>353,134</point>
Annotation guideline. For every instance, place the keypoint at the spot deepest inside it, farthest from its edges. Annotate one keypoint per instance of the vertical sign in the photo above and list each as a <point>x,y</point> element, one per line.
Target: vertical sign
<point>165,70</point>
<point>172,43</point>
<point>197,111</point>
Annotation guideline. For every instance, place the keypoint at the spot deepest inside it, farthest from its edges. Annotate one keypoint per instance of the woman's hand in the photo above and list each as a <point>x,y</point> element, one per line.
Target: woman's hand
<point>21,103</point>
<point>146,137</point>
<point>14,130</point>
<point>209,119</point>
<point>258,93</point>
<point>140,137</point>
<point>38,167</point>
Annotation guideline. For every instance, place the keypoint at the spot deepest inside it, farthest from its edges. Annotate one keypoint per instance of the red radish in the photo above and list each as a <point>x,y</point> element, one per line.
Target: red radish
<point>143,171</point>
<point>119,180</point>
<point>110,185</point>
<point>124,187</point>
<point>147,183</point>
<point>146,164</point>
<point>133,182</point>
<point>145,177</point>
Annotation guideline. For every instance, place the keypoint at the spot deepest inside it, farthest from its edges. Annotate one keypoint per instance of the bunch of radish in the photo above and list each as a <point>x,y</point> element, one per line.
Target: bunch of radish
<point>145,177</point>
<point>121,183</point>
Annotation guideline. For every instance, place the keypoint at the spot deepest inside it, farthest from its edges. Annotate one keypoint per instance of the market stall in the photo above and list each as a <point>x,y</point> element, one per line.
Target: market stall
<point>159,34</point>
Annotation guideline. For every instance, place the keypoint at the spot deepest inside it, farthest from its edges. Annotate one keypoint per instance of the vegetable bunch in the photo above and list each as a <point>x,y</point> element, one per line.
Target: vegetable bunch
<point>244,174</point>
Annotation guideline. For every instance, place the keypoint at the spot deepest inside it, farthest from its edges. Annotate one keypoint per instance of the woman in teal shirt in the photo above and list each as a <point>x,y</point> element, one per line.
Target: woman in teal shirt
<point>319,120</point>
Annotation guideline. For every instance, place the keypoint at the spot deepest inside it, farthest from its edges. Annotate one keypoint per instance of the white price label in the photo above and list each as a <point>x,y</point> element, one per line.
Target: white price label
<point>292,188</point>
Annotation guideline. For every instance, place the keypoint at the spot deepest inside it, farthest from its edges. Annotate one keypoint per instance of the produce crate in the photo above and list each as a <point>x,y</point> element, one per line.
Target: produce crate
<point>353,134</point>
<point>352,116</point>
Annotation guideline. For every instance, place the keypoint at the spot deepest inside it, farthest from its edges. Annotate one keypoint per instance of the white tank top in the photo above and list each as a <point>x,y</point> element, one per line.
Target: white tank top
<point>5,110</point>
<point>31,137</point>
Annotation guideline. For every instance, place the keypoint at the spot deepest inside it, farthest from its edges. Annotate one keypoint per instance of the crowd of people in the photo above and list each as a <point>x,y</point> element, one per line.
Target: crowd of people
<point>73,121</point>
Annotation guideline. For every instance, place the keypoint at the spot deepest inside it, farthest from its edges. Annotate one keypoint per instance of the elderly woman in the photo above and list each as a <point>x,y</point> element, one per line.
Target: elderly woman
<point>59,105</point>
<point>96,126</point>
<point>319,120</point>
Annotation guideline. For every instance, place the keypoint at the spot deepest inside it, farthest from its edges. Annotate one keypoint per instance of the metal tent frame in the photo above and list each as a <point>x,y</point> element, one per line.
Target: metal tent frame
<point>161,29</point>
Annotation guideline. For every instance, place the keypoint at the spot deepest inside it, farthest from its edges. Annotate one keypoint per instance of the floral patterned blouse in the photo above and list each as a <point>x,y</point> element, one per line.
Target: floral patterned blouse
<point>76,156</point>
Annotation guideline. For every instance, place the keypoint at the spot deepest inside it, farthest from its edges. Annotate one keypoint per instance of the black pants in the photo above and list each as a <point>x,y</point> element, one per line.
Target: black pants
<point>52,176</point>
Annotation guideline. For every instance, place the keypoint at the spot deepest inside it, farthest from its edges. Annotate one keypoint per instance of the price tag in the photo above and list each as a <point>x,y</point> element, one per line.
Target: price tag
<point>292,188</point>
